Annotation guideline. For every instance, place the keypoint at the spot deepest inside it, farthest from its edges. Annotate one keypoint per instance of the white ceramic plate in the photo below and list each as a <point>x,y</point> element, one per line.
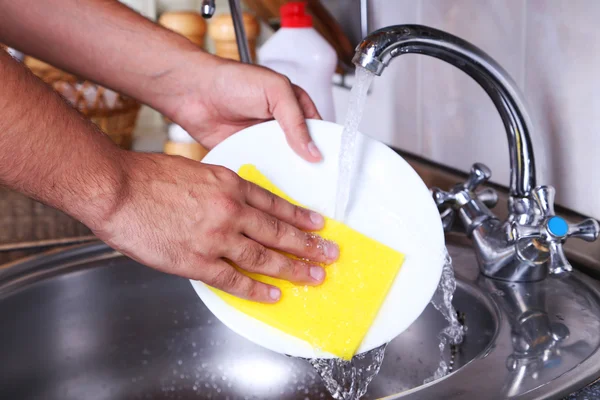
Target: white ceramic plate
<point>389,202</point>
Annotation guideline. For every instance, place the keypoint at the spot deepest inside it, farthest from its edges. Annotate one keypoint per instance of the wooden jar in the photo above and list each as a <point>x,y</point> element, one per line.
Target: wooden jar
<point>222,33</point>
<point>187,23</point>
<point>193,151</point>
<point>180,143</point>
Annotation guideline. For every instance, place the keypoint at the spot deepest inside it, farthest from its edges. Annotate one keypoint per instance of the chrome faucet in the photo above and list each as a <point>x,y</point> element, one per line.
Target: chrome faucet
<point>528,245</point>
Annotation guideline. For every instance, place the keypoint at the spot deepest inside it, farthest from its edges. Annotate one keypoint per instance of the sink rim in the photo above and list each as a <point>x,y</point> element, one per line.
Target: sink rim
<point>460,384</point>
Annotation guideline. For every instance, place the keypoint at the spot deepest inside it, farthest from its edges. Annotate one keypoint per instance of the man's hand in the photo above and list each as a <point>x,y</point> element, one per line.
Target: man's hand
<point>169,213</point>
<point>189,219</point>
<point>229,96</point>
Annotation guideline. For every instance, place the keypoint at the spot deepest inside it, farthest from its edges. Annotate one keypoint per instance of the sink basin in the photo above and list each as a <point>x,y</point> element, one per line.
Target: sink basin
<point>88,323</point>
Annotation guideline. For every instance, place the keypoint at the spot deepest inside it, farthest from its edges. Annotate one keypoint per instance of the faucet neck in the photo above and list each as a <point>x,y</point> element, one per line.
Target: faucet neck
<point>376,51</point>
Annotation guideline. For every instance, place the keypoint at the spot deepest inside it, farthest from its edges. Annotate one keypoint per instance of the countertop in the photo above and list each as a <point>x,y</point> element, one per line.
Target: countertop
<point>591,392</point>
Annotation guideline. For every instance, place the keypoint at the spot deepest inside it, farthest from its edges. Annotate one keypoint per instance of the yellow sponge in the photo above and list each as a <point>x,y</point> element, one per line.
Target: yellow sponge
<point>335,316</point>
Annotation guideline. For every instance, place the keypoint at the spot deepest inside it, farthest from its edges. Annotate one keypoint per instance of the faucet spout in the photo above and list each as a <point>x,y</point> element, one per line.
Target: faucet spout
<point>376,51</point>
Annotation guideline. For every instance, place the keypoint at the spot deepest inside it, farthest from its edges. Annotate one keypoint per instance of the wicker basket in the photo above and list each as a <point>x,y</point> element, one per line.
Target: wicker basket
<point>113,113</point>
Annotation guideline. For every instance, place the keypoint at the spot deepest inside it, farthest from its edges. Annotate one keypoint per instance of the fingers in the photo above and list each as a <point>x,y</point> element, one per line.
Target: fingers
<point>266,201</point>
<point>287,110</point>
<point>274,233</point>
<point>308,106</point>
<point>253,257</point>
<point>226,278</point>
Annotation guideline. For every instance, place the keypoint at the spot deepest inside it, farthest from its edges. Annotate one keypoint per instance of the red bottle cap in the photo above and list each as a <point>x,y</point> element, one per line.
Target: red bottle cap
<point>293,15</point>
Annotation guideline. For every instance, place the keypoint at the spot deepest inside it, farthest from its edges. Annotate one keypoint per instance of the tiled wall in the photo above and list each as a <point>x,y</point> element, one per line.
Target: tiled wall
<point>552,50</point>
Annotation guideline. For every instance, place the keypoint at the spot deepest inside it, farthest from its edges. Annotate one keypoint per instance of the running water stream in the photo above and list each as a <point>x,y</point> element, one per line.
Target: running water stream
<point>442,301</point>
<point>348,157</point>
<point>348,380</point>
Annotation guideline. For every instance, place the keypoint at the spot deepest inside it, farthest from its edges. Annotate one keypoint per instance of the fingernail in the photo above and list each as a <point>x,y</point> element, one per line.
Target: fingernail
<point>316,218</point>
<point>274,293</point>
<point>317,273</point>
<point>332,251</point>
<point>313,150</point>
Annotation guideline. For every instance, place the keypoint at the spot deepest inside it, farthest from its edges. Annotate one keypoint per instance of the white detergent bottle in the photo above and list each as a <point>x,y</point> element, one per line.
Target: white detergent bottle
<point>298,51</point>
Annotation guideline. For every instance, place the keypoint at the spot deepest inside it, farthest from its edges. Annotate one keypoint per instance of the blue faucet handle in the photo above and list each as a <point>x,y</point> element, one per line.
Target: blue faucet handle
<point>557,227</point>
<point>587,230</point>
<point>552,231</point>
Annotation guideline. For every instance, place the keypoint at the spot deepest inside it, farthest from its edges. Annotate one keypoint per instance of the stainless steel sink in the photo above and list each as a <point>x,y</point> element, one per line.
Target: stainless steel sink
<point>88,323</point>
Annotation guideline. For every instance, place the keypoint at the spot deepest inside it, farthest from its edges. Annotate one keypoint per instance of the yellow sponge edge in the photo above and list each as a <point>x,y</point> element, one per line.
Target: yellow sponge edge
<point>335,316</point>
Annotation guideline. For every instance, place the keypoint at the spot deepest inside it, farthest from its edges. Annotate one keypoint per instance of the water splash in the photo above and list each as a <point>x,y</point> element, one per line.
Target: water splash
<point>348,380</point>
<point>348,157</point>
<point>442,301</point>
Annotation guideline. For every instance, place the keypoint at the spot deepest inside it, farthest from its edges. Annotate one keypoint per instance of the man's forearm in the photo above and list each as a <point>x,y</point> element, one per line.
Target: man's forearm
<point>101,40</point>
<point>49,152</point>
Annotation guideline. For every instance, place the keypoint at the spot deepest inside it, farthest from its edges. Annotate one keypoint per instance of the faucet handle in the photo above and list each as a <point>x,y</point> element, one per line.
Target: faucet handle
<point>553,231</point>
<point>461,194</point>
<point>488,196</point>
<point>587,230</point>
<point>557,227</point>
<point>558,262</point>
<point>479,174</point>
<point>444,200</point>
